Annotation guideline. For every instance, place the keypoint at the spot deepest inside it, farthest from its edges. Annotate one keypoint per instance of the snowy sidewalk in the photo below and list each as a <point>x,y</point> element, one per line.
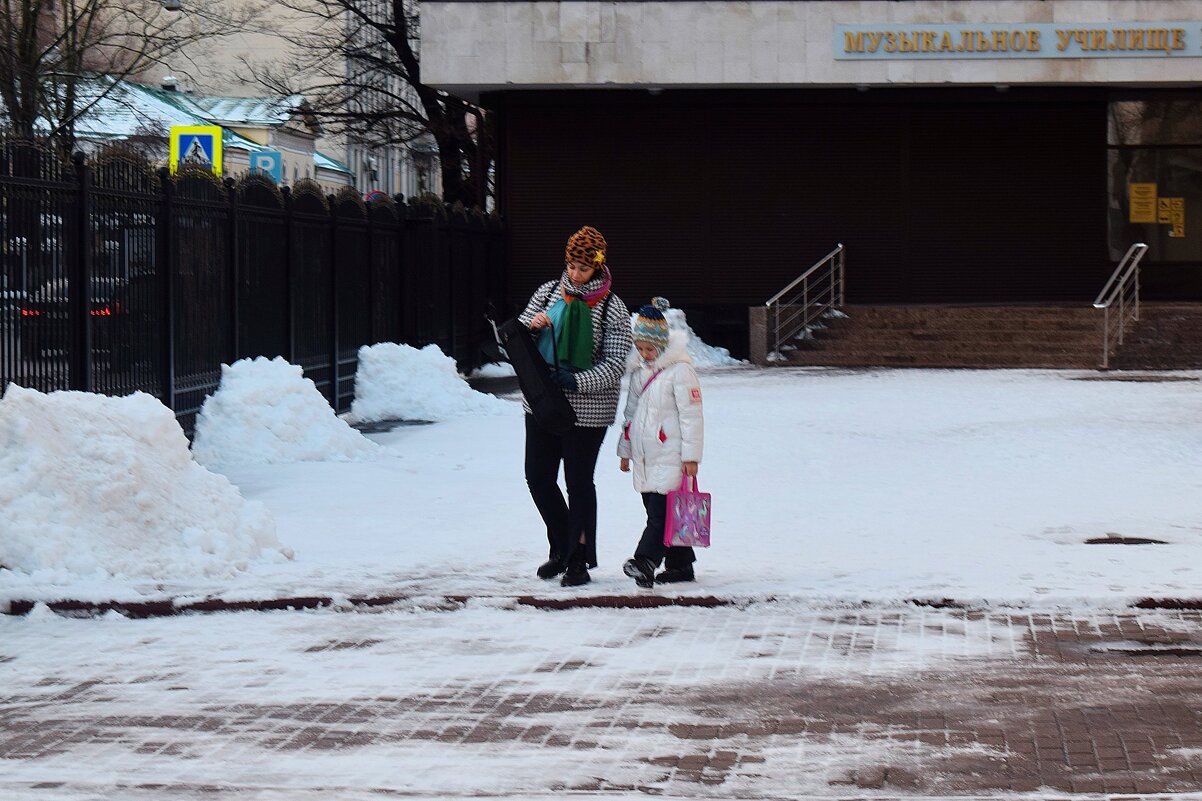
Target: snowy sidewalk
<point>499,700</point>
<point>830,488</point>
<point>803,670</point>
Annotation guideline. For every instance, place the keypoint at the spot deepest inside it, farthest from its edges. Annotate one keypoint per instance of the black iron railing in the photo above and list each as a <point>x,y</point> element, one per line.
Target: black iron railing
<point>116,277</point>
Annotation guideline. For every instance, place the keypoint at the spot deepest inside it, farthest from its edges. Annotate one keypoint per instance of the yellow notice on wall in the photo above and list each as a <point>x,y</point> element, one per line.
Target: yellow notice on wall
<point>1176,216</point>
<point>1142,202</point>
<point>1164,212</point>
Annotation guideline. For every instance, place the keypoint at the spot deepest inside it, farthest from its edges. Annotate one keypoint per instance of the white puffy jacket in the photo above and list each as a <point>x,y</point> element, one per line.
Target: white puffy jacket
<point>663,425</point>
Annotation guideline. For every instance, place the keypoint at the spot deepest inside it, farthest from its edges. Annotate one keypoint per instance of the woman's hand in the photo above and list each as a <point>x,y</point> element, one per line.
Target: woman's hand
<point>624,465</point>
<point>541,320</point>
<point>690,469</point>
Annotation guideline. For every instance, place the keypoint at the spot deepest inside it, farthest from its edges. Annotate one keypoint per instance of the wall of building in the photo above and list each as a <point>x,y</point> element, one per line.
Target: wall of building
<point>478,46</point>
<point>958,149</point>
<point>717,199</point>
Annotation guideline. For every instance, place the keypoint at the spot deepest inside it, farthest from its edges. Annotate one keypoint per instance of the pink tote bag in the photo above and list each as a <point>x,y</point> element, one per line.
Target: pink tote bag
<point>688,516</point>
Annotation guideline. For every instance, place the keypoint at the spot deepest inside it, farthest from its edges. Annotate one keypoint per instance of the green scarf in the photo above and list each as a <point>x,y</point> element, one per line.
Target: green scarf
<point>574,335</point>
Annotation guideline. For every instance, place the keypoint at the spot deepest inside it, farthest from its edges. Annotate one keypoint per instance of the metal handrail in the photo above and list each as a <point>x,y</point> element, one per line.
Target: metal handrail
<point>817,295</point>
<point>1123,289</point>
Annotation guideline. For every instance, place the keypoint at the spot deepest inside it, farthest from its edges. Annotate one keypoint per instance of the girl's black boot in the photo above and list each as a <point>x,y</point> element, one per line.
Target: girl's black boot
<point>641,570</point>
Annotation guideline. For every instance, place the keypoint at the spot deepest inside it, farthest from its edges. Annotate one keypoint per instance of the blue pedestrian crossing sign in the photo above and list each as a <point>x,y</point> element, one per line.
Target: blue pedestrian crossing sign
<point>196,144</point>
<point>269,163</point>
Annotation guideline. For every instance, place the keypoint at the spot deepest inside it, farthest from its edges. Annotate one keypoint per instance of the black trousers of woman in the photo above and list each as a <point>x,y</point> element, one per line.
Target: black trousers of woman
<point>565,520</point>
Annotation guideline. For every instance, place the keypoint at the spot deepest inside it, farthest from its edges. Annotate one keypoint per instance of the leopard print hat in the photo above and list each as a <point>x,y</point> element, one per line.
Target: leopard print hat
<point>586,246</point>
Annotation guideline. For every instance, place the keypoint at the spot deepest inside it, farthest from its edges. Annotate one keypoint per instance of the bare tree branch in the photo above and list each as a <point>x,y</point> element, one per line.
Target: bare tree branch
<point>358,63</point>
<point>50,48</point>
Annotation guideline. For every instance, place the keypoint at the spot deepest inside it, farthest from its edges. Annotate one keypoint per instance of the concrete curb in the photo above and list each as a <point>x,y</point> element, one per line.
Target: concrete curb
<point>169,607</point>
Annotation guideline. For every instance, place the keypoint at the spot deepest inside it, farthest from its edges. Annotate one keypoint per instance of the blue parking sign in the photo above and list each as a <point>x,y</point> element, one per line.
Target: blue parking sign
<point>269,163</point>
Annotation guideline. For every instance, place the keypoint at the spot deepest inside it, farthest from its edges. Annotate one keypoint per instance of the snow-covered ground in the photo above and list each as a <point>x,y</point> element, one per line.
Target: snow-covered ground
<point>830,487</point>
<point>245,689</point>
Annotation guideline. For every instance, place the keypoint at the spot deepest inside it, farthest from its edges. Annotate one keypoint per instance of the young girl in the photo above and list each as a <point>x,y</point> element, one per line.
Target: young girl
<point>661,437</point>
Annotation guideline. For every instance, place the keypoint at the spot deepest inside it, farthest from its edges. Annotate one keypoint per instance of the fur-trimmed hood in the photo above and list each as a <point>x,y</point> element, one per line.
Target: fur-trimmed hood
<point>676,352</point>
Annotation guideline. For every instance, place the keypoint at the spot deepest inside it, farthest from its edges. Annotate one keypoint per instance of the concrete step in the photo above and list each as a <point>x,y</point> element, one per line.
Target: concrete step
<point>981,361</point>
<point>1166,337</point>
<point>959,338</point>
<point>1053,336</point>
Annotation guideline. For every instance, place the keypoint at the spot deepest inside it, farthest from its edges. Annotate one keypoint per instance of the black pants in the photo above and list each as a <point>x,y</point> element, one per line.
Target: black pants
<point>651,546</point>
<point>565,520</point>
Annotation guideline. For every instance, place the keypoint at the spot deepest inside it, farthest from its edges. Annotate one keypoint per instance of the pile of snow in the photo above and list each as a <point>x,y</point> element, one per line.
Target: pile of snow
<point>97,485</point>
<point>266,412</point>
<point>703,355</point>
<point>398,382</point>
<point>494,370</point>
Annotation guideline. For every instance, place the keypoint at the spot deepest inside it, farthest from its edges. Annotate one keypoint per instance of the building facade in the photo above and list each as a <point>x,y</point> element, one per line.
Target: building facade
<point>1001,152</point>
<point>271,51</point>
<point>143,116</point>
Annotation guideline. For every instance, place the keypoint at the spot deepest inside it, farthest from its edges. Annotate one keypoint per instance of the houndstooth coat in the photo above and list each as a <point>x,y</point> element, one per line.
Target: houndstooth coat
<point>596,399</point>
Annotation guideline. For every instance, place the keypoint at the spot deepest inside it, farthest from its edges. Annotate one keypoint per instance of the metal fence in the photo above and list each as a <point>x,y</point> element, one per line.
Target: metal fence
<point>116,277</point>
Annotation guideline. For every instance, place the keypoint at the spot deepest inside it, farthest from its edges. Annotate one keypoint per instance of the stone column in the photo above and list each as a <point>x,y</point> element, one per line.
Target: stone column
<point>757,334</point>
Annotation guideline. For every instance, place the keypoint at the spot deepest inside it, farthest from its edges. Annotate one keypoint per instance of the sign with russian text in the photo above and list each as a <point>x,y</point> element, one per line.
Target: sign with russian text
<point>196,144</point>
<point>1171,211</point>
<point>269,163</point>
<point>1141,203</point>
<point>1019,40</point>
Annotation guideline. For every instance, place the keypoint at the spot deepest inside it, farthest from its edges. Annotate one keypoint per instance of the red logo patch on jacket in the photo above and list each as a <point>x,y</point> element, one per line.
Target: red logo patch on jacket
<point>695,394</point>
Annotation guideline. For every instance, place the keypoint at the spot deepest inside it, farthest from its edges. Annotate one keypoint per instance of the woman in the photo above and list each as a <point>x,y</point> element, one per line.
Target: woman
<point>577,319</point>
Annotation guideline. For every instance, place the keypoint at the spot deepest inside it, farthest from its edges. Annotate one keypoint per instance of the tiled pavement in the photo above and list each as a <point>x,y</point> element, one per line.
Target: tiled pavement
<point>501,700</point>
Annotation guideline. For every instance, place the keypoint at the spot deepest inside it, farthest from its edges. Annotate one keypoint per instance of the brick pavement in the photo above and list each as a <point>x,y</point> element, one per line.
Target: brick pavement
<point>762,702</point>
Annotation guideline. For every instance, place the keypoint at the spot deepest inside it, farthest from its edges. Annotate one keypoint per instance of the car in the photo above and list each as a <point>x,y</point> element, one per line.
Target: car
<point>45,322</point>
<point>11,301</point>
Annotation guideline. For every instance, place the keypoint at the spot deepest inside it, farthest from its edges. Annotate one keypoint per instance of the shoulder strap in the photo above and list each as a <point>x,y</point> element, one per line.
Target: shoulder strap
<point>604,325</point>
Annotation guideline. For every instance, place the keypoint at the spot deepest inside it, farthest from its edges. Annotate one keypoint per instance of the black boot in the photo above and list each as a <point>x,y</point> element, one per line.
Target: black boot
<point>675,574</point>
<point>551,568</point>
<point>641,570</point>
<point>575,574</point>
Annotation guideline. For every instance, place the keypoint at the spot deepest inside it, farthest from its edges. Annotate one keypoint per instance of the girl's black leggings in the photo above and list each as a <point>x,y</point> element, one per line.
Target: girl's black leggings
<point>651,545</point>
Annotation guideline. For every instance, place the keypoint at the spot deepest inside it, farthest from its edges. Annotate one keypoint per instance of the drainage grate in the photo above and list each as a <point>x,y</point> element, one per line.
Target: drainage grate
<point>384,426</point>
<point>1117,539</point>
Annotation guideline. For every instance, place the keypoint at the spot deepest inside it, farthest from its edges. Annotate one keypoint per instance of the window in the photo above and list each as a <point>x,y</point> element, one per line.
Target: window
<point>1155,169</point>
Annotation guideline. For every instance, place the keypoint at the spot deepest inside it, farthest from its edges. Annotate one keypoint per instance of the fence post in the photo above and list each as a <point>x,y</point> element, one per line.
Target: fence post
<point>167,285</point>
<point>289,276</point>
<point>443,235</point>
<point>79,284</point>
<point>232,244</point>
<point>372,335</point>
<point>402,321</point>
<point>334,349</point>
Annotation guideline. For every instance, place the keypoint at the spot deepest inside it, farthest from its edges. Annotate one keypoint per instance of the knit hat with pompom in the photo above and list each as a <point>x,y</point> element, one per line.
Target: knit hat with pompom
<point>650,325</point>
